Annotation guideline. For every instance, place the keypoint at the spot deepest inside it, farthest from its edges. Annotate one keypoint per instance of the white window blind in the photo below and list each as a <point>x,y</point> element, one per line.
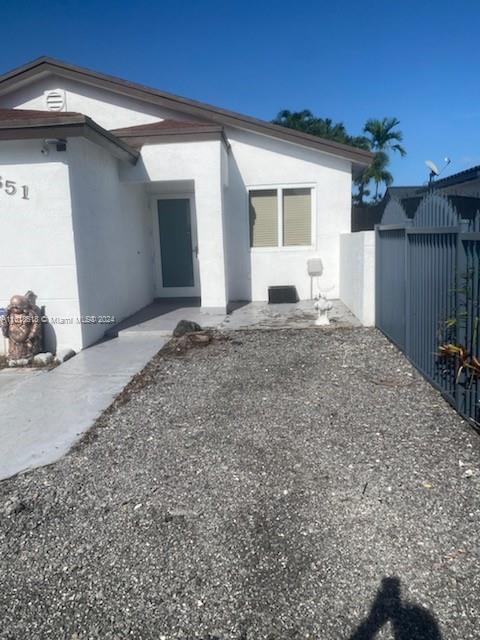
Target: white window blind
<point>264,218</point>
<point>297,217</point>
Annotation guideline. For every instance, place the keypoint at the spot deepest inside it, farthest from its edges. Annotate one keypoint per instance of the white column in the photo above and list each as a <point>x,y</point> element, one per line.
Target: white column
<point>210,230</point>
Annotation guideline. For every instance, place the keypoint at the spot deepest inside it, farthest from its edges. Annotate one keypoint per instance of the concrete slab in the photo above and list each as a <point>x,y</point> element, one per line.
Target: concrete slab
<point>44,413</point>
<point>300,315</point>
<point>161,317</point>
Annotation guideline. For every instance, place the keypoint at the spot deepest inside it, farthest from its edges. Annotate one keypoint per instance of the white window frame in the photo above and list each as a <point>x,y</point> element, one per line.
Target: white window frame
<point>279,189</point>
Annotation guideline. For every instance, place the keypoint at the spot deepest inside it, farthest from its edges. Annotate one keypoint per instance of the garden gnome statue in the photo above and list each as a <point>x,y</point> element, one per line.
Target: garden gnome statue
<point>22,326</point>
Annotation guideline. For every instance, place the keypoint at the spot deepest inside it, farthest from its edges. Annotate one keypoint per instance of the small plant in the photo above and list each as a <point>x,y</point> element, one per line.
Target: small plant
<point>456,352</point>
<point>464,360</point>
<point>463,326</point>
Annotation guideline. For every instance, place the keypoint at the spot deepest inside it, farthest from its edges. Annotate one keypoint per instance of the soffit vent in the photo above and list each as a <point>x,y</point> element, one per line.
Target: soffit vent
<point>55,100</point>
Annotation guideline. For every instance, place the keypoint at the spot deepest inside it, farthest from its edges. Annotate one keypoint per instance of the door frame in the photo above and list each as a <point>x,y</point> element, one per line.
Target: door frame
<point>174,292</point>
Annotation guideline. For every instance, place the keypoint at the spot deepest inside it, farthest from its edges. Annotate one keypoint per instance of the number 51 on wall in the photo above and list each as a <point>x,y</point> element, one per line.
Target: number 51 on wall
<point>11,189</point>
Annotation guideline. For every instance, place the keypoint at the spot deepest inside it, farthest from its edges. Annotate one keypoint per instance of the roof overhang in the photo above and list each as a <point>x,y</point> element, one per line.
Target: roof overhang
<point>145,134</point>
<point>66,126</point>
<point>458,178</point>
<point>359,158</point>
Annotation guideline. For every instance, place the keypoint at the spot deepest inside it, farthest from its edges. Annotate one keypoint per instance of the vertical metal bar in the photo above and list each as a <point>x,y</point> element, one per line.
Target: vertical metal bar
<point>408,274</point>
<point>476,351</point>
<point>429,299</point>
<point>461,265</point>
<point>423,317</point>
<point>467,308</point>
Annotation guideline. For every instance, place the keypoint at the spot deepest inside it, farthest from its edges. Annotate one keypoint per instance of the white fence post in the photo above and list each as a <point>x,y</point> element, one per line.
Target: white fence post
<point>357,274</point>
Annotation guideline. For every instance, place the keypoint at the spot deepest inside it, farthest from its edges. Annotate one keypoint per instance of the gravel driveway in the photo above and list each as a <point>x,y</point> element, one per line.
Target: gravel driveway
<point>281,485</point>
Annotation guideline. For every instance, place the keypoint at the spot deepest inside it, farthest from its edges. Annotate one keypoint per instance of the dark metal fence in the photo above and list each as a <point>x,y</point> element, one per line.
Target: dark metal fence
<point>428,291</point>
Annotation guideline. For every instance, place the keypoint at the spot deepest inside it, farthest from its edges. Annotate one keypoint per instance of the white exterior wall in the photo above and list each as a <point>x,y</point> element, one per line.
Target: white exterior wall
<point>258,161</point>
<point>200,162</point>
<point>113,238</point>
<point>36,238</point>
<point>357,274</point>
<point>114,223</point>
<point>109,110</point>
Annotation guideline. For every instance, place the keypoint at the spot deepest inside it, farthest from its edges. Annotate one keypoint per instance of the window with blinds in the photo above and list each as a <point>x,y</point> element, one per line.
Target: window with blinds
<point>288,210</point>
<point>297,217</point>
<point>264,218</point>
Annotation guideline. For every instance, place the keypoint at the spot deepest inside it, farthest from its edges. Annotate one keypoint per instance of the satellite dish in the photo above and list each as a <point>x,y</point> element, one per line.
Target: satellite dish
<point>433,167</point>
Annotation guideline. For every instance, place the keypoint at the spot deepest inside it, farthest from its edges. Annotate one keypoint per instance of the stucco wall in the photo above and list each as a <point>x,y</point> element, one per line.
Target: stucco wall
<point>228,268</point>
<point>258,161</point>
<point>82,241</point>
<point>113,238</point>
<point>201,162</point>
<point>357,274</point>
<point>221,181</point>
<point>36,238</point>
<point>108,109</point>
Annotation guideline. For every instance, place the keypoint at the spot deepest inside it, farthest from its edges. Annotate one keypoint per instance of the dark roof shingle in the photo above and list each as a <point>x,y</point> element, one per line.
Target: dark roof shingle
<point>168,125</point>
<point>30,115</point>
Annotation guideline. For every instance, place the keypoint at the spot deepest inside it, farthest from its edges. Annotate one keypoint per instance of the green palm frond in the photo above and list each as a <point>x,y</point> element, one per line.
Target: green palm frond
<point>380,136</point>
<point>383,136</point>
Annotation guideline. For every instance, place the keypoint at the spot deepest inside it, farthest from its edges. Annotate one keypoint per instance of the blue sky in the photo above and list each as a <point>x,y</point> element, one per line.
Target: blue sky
<point>418,61</point>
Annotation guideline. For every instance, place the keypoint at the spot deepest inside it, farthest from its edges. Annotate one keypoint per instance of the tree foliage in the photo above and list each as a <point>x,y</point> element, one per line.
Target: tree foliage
<point>321,127</point>
<point>382,135</point>
<point>379,135</point>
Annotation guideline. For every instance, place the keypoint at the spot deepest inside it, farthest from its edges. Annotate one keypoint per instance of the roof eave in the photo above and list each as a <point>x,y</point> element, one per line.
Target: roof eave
<point>138,139</point>
<point>63,128</point>
<point>192,107</point>
<point>459,178</point>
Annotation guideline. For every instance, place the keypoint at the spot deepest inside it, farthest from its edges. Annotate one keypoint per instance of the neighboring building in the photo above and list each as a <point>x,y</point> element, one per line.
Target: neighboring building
<point>464,183</point>
<point>113,194</point>
<point>366,217</point>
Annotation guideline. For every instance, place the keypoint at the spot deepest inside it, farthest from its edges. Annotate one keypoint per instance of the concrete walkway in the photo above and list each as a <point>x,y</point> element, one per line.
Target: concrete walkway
<point>44,413</point>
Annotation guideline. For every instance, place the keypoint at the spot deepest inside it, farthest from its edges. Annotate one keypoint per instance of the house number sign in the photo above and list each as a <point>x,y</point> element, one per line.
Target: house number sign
<point>11,188</point>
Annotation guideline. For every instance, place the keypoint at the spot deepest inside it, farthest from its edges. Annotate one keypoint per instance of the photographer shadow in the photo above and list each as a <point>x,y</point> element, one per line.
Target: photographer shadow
<point>408,621</point>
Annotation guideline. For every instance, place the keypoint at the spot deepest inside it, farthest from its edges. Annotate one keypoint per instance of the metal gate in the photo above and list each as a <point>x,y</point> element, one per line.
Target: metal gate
<point>428,292</point>
<point>390,284</point>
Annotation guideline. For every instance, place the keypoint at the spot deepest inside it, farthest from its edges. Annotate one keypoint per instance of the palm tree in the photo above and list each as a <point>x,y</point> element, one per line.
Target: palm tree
<point>361,182</point>
<point>378,172</point>
<point>383,138</point>
<point>382,135</point>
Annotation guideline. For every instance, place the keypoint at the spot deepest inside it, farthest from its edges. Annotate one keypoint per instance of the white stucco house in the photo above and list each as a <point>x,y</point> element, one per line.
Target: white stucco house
<point>113,194</point>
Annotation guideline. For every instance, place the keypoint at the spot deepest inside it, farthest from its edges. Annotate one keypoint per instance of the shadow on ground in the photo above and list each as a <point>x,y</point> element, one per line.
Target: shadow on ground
<point>408,621</point>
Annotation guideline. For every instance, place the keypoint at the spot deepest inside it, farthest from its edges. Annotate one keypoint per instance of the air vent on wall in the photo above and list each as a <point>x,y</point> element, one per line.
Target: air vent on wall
<point>55,100</point>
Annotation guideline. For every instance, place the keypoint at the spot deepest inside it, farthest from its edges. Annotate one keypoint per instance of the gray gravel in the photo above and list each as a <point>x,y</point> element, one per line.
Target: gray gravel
<point>256,488</point>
